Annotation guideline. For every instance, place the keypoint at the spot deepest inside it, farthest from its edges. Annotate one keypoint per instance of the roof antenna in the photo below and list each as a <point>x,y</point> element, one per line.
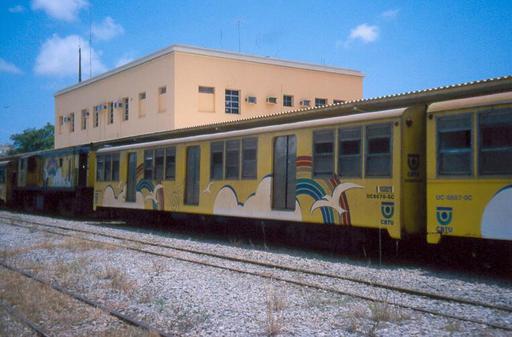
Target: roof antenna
<point>79,63</point>
<point>90,43</point>
<point>238,35</point>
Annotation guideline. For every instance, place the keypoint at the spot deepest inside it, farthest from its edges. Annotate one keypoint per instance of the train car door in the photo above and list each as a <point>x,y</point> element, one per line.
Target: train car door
<point>131,177</point>
<point>82,170</point>
<point>283,189</point>
<point>192,177</point>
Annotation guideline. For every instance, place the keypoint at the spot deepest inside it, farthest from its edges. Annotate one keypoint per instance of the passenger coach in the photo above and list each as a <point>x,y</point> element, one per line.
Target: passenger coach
<point>351,170</point>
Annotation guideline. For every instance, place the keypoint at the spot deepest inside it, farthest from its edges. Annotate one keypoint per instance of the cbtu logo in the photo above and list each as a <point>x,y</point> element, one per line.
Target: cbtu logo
<point>387,209</point>
<point>444,215</point>
<point>413,161</point>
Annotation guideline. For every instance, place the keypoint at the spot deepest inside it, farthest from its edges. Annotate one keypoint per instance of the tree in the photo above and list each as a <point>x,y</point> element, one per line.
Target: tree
<point>33,139</point>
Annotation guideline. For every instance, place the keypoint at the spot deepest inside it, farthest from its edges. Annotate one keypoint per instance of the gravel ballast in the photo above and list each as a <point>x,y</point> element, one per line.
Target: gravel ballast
<point>193,300</point>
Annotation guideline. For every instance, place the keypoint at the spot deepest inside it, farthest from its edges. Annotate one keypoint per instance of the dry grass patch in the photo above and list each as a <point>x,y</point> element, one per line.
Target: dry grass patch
<point>118,279</point>
<point>275,304</point>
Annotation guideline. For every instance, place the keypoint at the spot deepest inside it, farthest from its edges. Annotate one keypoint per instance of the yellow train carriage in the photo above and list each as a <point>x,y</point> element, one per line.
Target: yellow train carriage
<point>469,171</point>
<point>361,170</point>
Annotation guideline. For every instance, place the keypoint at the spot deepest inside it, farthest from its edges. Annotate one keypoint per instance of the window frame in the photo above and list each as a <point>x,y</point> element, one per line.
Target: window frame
<point>325,100</point>
<point>243,173</point>
<point>367,152</point>
<point>478,151</point>
<point>315,155</point>
<point>290,97</point>
<point>221,144</point>
<point>152,166</point>
<point>166,176</point>
<point>471,146</point>
<point>360,155</point>
<point>228,104</point>
<point>226,163</point>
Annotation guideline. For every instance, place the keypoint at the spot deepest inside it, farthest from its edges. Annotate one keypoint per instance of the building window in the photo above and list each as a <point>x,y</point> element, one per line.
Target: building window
<point>162,90</point>
<point>61,123</point>
<point>83,123</point>
<point>349,159</point>
<point>232,101</point>
<point>305,102</point>
<point>320,101</point>
<point>142,104</point>
<point>162,99</point>
<point>338,101</point>
<point>323,153</point>
<point>495,142</point>
<point>233,159</point>
<point>126,114</point>
<point>72,122</point>
<point>170,163</point>
<point>206,90</point>
<point>249,158</point>
<point>378,150</point>
<point>216,160</point>
<point>159,164</point>
<point>110,119</point>
<point>287,100</point>
<point>96,116</point>
<point>148,164</point>
<point>454,151</point>
<point>272,100</point>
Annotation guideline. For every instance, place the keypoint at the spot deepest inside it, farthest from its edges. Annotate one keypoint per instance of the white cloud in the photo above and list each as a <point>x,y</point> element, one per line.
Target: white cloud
<point>59,57</point>
<point>365,33</point>
<point>66,10</point>
<point>6,67</point>
<point>17,9</point>
<point>390,13</point>
<point>123,60</point>
<point>106,30</point>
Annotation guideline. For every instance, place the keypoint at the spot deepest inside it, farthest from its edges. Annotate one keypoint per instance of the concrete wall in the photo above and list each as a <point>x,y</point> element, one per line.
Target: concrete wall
<point>254,79</point>
<point>147,77</point>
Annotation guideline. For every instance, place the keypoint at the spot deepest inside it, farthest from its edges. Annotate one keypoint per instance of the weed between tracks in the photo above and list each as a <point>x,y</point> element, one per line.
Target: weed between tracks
<point>275,305</point>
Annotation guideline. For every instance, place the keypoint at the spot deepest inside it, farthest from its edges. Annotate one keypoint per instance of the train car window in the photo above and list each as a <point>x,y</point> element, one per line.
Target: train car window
<point>495,145</point>
<point>349,152</point>
<point>249,158</point>
<point>2,175</point>
<point>108,168</point>
<point>233,159</point>
<point>148,164</point>
<point>454,145</point>
<point>115,167</point>
<point>170,163</point>
<point>323,153</point>
<point>216,160</point>
<point>378,150</point>
<point>100,167</point>
<point>159,164</point>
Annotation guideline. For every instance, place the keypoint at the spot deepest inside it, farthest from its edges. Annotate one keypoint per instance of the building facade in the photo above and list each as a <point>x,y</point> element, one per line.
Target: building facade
<point>181,86</point>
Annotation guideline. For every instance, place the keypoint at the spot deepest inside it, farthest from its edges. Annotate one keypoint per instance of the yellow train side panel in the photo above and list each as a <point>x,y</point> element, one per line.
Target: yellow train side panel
<point>364,202</point>
<point>471,206</point>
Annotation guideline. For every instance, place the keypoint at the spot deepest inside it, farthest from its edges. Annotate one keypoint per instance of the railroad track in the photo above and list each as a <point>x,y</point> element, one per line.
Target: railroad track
<point>20,317</point>
<point>272,267</point>
<point>114,313</point>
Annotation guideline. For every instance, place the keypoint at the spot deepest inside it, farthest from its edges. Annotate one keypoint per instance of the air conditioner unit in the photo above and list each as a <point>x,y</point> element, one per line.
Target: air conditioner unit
<point>251,99</point>
<point>305,102</point>
<point>272,100</point>
<point>66,119</point>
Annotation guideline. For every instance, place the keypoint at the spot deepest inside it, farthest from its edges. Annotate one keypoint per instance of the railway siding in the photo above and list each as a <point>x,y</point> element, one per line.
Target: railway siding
<point>221,302</point>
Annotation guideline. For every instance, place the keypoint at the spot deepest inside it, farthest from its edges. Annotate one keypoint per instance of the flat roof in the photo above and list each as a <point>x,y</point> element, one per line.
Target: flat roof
<point>213,53</point>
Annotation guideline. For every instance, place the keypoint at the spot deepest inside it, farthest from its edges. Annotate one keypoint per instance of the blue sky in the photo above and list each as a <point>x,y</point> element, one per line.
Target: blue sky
<point>398,45</point>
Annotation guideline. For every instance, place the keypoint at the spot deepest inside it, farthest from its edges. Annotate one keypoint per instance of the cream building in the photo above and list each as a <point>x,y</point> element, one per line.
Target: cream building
<point>182,86</point>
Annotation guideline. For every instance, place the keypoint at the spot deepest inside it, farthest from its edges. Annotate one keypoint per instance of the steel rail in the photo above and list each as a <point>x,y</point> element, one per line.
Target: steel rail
<point>111,312</point>
<point>19,316</point>
<point>278,278</point>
